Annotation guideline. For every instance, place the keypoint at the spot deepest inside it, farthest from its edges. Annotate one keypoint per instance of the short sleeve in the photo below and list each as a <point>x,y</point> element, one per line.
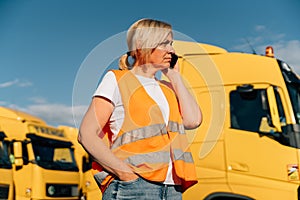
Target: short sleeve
<point>108,87</point>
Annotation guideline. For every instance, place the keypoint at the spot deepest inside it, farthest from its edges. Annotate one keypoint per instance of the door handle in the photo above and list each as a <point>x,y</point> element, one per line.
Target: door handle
<point>242,167</point>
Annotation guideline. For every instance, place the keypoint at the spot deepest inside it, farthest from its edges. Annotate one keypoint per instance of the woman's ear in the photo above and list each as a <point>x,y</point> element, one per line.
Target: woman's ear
<point>138,53</point>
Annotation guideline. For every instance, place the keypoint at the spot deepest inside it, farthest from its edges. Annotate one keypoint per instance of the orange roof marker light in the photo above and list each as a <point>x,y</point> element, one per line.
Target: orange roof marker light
<point>269,51</point>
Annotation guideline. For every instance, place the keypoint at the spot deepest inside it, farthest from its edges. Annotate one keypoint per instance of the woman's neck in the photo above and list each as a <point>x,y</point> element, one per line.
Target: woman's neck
<point>145,70</point>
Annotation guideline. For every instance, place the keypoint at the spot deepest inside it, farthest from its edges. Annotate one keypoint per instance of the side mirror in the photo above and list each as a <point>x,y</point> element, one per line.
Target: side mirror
<point>18,154</point>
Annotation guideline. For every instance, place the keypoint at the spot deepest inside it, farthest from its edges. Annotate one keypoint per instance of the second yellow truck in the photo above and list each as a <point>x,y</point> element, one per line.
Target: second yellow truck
<point>43,159</point>
<point>6,171</point>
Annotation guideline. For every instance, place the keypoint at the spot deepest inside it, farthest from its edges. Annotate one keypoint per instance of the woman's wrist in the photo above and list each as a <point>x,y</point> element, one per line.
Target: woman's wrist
<point>174,76</point>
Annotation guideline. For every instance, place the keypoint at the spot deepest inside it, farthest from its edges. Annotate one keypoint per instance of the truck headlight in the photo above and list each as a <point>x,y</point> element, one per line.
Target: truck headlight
<point>61,190</point>
<point>51,190</point>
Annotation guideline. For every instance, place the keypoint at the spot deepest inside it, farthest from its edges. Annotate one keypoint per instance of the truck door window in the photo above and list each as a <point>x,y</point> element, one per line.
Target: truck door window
<point>25,153</point>
<point>249,110</point>
<point>4,158</point>
<point>86,163</point>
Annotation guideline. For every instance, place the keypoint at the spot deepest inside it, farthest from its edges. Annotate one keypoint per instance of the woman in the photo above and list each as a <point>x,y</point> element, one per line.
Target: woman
<point>134,127</point>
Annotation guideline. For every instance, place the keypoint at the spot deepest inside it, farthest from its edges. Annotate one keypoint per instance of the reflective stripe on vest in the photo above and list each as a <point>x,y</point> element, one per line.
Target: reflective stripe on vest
<point>147,132</point>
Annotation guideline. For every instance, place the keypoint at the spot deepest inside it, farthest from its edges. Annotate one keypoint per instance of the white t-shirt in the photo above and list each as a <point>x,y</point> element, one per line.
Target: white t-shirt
<point>109,89</point>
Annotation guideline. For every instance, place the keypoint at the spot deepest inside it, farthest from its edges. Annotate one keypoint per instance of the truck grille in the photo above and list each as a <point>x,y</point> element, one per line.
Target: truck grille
<point>4,191</point>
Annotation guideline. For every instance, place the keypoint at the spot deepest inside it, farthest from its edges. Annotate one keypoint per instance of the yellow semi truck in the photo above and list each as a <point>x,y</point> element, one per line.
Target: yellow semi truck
<point>89,189</point>
<point>6,171</point>
<point>248,144</point>
<point>44,165</point>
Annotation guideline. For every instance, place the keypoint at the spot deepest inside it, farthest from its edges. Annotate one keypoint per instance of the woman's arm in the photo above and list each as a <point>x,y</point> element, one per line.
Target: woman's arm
<point>94,120</point>
<point>190,110</point>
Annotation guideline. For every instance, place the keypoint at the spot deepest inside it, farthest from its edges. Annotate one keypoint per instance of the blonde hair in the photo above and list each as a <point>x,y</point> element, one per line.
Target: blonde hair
<point>144,35</point>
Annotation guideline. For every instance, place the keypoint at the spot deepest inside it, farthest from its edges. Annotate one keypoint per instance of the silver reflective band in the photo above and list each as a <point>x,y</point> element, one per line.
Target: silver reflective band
<point>176,127</point>
<point>140,134</point>
<point>159,157</point>
<point>100,176</point>
<point>186,156</point>
<point>147,132</point>
<point>154,157</point>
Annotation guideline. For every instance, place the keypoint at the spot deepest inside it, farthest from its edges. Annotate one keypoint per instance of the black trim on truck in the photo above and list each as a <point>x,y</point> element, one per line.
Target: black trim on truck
<point>226,196</point>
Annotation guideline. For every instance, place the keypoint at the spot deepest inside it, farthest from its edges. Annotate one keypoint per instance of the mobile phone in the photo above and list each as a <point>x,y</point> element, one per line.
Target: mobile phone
<point>173,60</point>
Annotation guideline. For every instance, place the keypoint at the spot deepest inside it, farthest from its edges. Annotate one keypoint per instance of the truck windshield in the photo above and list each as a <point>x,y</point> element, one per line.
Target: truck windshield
<point>4,158</point>
<point>293,85</point>
<point>53,154</point>
<point>294,93</point>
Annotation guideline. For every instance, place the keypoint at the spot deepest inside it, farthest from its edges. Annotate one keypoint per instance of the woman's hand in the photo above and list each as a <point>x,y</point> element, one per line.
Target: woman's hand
<point>168,71</point>
<point>190,110</point>
<point>128,176</point>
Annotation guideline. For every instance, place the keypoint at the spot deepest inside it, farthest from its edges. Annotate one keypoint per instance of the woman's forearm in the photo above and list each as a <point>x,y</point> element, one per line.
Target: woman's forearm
<point>190,110</point>
<point>103,155</point>
<point>89,137</point>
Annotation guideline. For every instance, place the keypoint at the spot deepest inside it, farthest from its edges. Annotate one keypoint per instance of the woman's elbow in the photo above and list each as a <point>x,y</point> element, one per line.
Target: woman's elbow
<point>80,138</point>
<point>192,124</point>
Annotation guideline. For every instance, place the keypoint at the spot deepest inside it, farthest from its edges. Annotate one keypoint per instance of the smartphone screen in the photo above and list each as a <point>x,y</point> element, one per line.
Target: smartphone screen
<point>173,60</point>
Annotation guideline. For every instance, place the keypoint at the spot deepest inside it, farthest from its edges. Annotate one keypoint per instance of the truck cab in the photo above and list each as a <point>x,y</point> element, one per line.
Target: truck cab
<point>247,146</point>
<point>6,171</point>
<point>89,189</point>
<point>44,165</point>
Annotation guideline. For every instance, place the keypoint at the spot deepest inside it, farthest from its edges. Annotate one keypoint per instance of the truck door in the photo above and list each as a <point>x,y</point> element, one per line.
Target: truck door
<point>260,159</point>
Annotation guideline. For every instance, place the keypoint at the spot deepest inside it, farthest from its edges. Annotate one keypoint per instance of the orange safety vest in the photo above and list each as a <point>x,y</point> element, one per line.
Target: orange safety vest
<point>144,140</point>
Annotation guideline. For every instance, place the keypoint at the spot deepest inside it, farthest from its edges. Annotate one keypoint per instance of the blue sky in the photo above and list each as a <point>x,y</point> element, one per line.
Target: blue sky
<point>45,43</point>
